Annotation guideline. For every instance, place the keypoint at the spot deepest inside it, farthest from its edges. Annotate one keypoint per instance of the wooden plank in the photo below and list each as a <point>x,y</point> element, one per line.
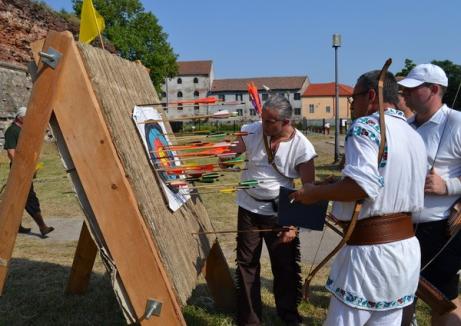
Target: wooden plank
<point>27,152</point>
<point>219,280</point>
<point>82,267</point>
<point>138,264</point>
<point>85,256</point>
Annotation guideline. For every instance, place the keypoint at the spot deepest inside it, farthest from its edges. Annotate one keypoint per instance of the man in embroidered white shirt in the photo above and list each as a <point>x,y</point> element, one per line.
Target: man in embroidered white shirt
<point>440,128</point>
<point>376,274</point>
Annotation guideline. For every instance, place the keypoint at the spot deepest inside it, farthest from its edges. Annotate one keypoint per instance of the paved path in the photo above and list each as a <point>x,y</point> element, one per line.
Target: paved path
<point>65,229</point>
<point>310,242</point>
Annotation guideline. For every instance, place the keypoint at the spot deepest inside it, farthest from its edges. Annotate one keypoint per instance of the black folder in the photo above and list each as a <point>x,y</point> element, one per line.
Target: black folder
<point>310,216</point>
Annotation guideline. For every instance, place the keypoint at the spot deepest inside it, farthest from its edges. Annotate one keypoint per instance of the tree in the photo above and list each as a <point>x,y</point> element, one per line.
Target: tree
<point>137,35</point>
<point>453,72</point>
<point>409,64</point>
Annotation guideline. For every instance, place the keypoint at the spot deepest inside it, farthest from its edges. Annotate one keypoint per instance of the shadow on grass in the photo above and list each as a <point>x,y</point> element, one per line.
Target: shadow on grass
<point>202,311</point>
<point>34,295</point>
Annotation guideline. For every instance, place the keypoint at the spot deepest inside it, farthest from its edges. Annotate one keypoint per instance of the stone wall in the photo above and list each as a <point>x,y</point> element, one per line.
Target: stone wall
<point>15,89</point>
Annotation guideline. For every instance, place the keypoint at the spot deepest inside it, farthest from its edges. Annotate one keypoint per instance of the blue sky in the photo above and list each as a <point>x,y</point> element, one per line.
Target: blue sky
<point>257,38</point>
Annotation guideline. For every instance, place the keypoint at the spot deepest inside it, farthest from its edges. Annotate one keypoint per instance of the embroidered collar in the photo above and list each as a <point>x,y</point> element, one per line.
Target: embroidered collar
<point>391,112</point>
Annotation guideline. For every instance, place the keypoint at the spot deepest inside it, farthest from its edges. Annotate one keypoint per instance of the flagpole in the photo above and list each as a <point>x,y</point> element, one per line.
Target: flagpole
<point>97,25</point>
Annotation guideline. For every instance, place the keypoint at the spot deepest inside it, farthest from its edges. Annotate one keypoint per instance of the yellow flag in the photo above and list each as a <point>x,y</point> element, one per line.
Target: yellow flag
<point>91,22</point>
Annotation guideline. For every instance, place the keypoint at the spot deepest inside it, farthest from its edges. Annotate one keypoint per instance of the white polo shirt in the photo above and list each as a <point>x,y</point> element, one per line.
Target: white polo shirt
<point>443,128</point>
<point>289,155</point>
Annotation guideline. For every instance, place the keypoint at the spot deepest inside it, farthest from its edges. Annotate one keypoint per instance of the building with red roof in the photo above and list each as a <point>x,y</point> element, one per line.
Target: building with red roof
<point>318,101</point>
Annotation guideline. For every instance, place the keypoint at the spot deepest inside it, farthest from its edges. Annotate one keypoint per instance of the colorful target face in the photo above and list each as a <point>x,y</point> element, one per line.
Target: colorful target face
<point>160,157</point>
<point>157,144</point>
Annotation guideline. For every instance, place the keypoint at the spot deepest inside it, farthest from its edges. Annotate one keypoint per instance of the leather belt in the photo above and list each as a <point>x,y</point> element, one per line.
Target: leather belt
<point>382,229</point>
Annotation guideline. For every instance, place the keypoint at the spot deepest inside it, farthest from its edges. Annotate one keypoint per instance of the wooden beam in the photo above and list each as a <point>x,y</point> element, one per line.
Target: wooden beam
<point>110,195</point>
<point>219,280</point>
<point>27,152</point>
<point>85,255</point>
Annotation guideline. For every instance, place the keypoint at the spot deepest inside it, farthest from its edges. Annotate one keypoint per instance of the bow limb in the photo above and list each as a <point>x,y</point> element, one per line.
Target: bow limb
<point>347,234</point>
<point>382,125</point>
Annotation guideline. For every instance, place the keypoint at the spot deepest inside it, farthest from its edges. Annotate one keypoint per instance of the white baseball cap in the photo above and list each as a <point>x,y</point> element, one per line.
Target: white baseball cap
<point>425,73</point>
<point>21,112</point>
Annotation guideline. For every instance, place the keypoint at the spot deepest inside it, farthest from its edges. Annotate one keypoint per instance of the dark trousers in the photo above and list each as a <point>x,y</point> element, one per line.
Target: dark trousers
<point>32,204</point>
<point>285,268</point>
<point>442,272</point>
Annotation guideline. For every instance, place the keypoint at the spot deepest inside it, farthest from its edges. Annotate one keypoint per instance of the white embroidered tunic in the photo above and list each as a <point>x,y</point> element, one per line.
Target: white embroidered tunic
<point>384,276</point>
<point>289,154</point>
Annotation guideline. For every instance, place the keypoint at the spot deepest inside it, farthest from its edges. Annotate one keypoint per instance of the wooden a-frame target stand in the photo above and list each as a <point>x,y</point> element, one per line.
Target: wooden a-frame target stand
<point>146,284</point>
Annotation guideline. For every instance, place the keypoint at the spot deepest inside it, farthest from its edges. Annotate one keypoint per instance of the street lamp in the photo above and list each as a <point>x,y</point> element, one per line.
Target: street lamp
<point>336,45</point>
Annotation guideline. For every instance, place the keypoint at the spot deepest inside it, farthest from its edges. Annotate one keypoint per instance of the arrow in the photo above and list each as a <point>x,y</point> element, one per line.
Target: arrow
<point>254,98</point>
<point>198,167</point>
<point>202,100</point>
<point>208,134</point>
<point>224,114</point>
<point>185,158</point>
<point>223,191</point>
<point>282,229</point>
<point>223,145</point>
<point>181,106</point>
<point>246,183</point>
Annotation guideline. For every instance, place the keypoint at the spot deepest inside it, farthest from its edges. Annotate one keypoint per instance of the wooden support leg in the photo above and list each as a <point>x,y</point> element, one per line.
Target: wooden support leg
<point>219,280</point>
<point>84,258</point>
<point>28,150</point>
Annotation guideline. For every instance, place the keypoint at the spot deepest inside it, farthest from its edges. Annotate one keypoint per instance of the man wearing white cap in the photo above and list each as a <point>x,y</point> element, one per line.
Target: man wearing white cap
<point>32,204</point>
<point>440,128</point>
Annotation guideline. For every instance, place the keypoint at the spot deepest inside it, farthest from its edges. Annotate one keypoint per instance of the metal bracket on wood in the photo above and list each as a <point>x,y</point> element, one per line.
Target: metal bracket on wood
<point>50,58</point>
<point>153,308</point>
<point>32,69</point>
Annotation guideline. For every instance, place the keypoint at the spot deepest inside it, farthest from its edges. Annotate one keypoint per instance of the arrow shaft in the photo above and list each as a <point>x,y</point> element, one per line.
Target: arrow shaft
<point>283,229</point>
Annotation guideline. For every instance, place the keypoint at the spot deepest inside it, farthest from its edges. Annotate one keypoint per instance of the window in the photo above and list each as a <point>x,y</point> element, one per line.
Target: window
<point>195,80</point>
<point>179,81</point>
<point>179,94</point>
<point>265,96</point>
<point>252,112</point>
<point>327,109</point>
<point>196,107</point>
<point>297,96</point>
<point>179,107</point>
<point>311,108</point>
<point>297,111</point>
<point>221,97</point>
<point>239,112</point>
<point>239,97</point>
<point>196,94</point>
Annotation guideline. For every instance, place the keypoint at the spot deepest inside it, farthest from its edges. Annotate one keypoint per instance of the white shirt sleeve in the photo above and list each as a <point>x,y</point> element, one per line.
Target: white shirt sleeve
<point>362,159</point>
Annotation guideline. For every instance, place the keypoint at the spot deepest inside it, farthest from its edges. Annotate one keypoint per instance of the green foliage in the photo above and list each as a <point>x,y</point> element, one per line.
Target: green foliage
<point>409,64</point>
<point>137,35</point>
<point>453,72</point>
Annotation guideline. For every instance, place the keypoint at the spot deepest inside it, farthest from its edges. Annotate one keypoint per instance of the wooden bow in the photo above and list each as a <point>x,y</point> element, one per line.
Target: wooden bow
<point>358,204</point>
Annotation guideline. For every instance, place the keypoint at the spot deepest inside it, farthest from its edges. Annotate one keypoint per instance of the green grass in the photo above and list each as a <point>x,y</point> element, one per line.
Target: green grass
<point>34,291</point>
